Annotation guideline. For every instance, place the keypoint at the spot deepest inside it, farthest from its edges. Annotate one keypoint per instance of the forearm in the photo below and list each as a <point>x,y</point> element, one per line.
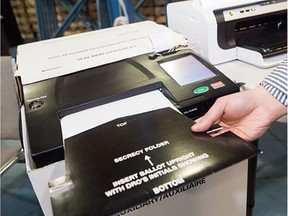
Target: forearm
<point>276,82</point>
<point>272,107</point>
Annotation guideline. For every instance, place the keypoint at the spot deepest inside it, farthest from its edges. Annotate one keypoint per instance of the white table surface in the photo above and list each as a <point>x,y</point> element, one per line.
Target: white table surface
<point>243,72</point>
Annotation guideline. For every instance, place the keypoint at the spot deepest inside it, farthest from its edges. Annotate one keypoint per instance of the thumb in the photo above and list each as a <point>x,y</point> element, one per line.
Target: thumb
<point>211,117</point>
<point>201,125</point>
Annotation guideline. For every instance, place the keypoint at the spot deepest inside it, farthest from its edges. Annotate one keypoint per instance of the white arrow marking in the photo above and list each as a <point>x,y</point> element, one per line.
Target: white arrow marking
<point>148,159</point>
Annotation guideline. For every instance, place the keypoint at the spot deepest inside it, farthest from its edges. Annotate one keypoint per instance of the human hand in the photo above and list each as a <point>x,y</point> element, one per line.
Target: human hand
<point>247,114</point>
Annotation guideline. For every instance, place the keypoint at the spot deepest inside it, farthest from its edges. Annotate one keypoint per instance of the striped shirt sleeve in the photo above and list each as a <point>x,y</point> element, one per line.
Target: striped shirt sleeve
<point>276,82</point>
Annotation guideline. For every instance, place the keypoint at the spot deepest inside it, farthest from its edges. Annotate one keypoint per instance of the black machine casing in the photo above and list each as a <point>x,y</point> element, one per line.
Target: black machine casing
<point>46,102</point>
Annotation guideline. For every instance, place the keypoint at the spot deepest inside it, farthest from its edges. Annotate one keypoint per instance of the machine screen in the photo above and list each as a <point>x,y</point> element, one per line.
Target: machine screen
<point>187,70</point>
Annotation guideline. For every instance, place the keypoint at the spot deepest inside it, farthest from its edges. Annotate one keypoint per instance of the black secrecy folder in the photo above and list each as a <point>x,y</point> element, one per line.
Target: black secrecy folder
<point>130,160</point>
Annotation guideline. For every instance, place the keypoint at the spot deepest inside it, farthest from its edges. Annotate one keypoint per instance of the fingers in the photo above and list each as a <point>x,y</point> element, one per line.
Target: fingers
<point>213,116</point>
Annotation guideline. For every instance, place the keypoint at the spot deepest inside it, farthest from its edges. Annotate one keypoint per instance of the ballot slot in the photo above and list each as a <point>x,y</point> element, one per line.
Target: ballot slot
<point>102,81</point>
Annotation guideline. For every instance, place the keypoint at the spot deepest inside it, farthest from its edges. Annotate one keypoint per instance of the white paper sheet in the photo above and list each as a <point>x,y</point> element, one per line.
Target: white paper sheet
<point>84,120</point>
<point>60,56</point>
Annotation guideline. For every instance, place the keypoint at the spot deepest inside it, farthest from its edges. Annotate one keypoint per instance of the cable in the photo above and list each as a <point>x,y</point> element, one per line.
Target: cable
<point>121,20</point>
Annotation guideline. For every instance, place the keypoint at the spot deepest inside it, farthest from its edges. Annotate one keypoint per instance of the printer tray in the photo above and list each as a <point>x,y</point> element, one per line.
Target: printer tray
<point>267,43</point>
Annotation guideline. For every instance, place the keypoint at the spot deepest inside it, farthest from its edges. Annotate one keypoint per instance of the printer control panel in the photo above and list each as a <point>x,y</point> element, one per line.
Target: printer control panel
<point>253,10</point>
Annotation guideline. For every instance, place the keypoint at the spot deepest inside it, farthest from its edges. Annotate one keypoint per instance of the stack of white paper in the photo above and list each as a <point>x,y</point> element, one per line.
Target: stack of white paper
<point>59,56</point>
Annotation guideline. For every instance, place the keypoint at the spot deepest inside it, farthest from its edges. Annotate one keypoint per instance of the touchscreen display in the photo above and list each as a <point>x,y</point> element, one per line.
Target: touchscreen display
<point>187,70</point>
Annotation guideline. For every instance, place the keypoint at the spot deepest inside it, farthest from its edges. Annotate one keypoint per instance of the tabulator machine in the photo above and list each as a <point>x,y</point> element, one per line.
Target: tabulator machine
<point>189,82</point>
<point>80,79</point>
